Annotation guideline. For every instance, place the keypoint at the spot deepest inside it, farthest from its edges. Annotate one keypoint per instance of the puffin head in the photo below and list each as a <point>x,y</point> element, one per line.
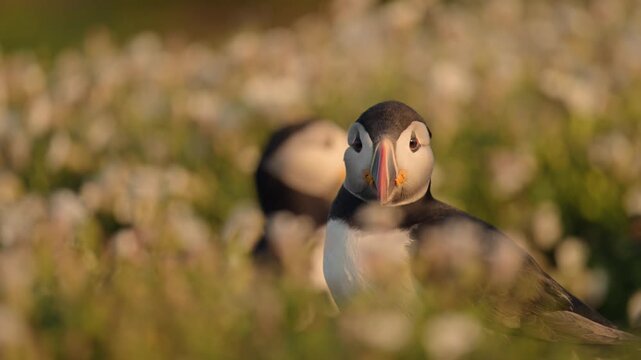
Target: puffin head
<point>300,169</point>
<point>389,159</point>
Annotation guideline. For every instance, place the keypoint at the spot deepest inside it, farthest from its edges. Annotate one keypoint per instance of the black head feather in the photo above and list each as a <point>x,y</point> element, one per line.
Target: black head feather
<point>388,118</point>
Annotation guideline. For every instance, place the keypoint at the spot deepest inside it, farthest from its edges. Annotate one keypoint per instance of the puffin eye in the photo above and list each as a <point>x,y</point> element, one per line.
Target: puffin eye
<point>414,144</point>
<point>357,144</point>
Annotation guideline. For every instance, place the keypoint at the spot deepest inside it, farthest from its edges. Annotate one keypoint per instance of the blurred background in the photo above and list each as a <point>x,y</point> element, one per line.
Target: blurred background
<point>48,26</point>
<point>130,131</point>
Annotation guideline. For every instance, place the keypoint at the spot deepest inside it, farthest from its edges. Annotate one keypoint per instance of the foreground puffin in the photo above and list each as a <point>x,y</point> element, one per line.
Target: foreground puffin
<point>387,232</point>
<point>296,179</point>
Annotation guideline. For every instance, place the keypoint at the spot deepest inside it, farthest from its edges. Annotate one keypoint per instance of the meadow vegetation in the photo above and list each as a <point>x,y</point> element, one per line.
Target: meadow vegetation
<point>127,207</point>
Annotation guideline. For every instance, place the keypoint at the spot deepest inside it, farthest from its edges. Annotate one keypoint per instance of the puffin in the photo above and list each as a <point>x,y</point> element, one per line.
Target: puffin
<point>296,179</point>
<point>388,237</point>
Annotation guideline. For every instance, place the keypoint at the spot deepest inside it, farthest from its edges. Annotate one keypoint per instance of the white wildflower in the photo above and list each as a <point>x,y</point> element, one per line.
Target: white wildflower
<point>546,225</point>
<point>634,309</point>
<point>382,330</point>
<point>451,336</point>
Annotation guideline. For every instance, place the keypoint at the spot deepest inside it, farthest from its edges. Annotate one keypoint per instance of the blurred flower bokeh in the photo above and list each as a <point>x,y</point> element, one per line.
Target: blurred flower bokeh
<point>127,209</point>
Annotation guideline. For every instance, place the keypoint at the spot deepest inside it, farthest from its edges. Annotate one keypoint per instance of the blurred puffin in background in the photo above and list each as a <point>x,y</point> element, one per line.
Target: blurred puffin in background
<point>387,234</point>
<point>297,178</point>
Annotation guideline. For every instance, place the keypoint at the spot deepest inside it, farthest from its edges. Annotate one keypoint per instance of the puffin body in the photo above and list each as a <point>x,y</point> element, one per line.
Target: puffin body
<point>359,259</point>
<point>387,234</point>
<point>296,179</point>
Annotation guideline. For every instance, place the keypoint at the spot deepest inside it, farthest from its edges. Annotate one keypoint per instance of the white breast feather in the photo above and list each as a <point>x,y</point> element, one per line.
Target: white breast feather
<point>354,260</point>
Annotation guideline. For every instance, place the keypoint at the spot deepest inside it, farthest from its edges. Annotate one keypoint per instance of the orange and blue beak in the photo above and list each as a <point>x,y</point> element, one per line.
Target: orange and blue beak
<point>383,170</point>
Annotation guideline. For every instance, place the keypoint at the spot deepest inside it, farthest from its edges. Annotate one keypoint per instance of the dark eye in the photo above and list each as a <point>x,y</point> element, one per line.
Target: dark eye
<point>357,144</point>
<point>414,144</point>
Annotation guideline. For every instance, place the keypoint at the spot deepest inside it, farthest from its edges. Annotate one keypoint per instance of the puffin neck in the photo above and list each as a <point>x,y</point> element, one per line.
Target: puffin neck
<point>346,206</point>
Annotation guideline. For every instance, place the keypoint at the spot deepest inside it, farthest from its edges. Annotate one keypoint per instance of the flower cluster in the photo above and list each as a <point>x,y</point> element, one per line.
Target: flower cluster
<point>126,200</point>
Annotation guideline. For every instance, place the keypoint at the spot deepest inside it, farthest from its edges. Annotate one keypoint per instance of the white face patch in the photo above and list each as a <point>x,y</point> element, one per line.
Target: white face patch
<point>414,167</point>
<point>357,163</point>
<point>310,160</point>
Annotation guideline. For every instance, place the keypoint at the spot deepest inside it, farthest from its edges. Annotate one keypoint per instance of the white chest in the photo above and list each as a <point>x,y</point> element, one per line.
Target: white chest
<point>356,261</point>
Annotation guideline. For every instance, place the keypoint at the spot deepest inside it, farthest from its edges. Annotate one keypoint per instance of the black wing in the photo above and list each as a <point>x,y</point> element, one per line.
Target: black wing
<point>506,279</point>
